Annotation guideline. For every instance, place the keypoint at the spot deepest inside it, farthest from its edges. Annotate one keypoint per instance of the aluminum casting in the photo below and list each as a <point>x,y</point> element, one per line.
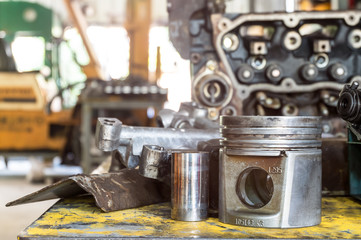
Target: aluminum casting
<point>127,142</point>
<point>155,163</point>
<point>270,171</point>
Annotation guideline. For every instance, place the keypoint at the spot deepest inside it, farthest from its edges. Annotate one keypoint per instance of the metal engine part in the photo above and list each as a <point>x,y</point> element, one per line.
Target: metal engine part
<point>112,191</point>
<point>189,115</point>
<point>270,171</point>
<point>349,108</point>
<point>155,163</point>
<point>271,64</point>
<point>127,142</point>
<point>189,188</point>
<point>349,104</point>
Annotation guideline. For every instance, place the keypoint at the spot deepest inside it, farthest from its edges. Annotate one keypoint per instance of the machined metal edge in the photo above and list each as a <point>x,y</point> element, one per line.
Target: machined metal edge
<point>270,121</point>
<point>269,130</point>
<point>271,137</point>
<point>189,185</point>
<point>267,144</point>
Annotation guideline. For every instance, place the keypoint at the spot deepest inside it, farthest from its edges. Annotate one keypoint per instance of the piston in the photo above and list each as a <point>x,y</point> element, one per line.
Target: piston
<point>270,171</point>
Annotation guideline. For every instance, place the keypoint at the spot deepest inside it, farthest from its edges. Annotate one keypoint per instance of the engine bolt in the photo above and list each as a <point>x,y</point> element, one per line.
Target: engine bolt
<point>276,73</point>
<point>309,72</point>
<point>246,74</point>
<point>338,72</point>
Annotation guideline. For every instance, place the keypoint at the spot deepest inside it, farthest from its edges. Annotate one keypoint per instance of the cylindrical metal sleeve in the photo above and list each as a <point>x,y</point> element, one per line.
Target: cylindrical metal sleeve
<point>190,185</point>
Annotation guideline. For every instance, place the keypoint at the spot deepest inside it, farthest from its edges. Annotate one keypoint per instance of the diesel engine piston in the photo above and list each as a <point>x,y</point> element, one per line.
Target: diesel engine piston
<point>270,171</point>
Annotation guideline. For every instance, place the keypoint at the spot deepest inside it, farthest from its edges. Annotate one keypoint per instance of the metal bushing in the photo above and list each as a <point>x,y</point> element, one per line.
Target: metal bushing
<point>258,62</point>
<point>321,60</point>
<point>354,38</point>
<point>230,42</point>
<point>292,40</point>
<point>189,185</point>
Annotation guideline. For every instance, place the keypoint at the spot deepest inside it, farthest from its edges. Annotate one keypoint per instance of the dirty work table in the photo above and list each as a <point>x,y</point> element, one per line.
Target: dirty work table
<point>80,219</point>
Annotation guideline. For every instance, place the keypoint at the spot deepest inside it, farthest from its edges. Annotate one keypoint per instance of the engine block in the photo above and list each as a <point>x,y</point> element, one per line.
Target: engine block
<point>272,64</point>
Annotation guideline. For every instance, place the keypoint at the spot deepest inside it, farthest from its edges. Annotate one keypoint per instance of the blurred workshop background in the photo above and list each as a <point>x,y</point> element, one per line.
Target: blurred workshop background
<point>63,63</point>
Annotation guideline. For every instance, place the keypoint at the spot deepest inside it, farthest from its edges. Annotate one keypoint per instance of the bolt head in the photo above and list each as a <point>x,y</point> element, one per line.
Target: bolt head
<point>340,71</point>
<point>311,72</point>
<point>246,74</point>
<point>276,73</point>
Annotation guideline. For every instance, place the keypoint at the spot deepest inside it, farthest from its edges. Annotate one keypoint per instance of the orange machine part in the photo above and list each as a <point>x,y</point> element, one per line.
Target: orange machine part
<point>32,130</point>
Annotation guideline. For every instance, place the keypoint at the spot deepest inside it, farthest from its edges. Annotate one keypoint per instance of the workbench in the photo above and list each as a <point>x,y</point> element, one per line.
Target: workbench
<point>79,218</point>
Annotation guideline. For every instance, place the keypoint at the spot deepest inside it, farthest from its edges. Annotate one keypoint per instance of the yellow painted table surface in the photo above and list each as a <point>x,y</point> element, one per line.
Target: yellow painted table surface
<point>79,218</point>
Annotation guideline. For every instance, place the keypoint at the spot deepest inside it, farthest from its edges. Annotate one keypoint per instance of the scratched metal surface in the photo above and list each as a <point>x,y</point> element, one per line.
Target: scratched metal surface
<point>111,191</point>
<point>79,218</point>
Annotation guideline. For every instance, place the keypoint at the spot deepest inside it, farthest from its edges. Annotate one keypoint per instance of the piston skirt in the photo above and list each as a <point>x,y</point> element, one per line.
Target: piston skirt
<point>267,184</point>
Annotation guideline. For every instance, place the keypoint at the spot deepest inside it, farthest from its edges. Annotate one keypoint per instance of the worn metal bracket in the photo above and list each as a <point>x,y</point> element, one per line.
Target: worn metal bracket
<point>112,191</point>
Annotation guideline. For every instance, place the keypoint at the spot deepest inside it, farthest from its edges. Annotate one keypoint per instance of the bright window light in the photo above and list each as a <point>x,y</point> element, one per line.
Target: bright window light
<point>111,45</point>
<point>175,70</point>
<point>29,53</point>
